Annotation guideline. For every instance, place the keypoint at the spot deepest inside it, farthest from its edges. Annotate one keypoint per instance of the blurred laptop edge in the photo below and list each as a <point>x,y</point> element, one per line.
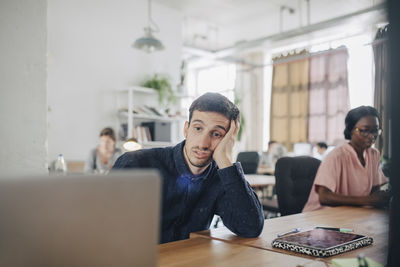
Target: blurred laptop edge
<point>80,220</point>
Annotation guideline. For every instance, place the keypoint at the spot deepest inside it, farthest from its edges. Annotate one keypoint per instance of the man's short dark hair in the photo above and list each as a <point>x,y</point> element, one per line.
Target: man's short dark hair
<point>271,142</point>
<point>322,145</point>
<point>215,102</point>
<point>354,115</point>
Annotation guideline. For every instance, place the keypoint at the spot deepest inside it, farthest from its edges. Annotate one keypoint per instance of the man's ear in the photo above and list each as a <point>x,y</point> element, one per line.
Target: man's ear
<point>185,129</point>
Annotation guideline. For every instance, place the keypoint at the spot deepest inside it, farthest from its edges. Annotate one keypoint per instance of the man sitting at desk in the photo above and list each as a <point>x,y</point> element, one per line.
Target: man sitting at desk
<point>199,176</point>
<point>269,158</point>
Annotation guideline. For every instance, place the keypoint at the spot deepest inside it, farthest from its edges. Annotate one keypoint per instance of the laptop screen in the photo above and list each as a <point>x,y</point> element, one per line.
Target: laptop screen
<point>80,220</point>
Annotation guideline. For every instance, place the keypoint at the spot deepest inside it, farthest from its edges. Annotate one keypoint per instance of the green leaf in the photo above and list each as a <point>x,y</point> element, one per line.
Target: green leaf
<point>166,96</point>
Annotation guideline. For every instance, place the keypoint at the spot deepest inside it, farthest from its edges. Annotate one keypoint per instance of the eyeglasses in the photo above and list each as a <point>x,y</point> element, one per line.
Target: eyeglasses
<point>366,132</point>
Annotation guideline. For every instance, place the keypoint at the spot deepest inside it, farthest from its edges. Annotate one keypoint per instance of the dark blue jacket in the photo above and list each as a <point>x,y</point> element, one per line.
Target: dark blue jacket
<point>189,201</point>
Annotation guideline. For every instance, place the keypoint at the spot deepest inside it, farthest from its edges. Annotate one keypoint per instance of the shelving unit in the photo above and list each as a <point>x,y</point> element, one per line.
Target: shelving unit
<point>148,96</point>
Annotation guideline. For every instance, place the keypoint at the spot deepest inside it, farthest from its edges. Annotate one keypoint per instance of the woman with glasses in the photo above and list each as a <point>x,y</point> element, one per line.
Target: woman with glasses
<point>350,174</point>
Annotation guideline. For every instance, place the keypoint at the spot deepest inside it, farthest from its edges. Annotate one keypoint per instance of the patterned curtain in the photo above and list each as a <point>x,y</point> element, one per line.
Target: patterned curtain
<point>289,99</point>
<point>381,97</point>
<point>329,96</point>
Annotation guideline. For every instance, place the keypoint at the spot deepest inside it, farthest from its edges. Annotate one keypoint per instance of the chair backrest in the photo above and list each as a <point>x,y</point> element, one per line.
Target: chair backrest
<point>249,161</point>
<point>294,179</point>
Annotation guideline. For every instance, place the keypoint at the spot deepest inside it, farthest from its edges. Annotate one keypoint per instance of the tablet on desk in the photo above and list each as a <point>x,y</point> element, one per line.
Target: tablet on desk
<point>321,242</point>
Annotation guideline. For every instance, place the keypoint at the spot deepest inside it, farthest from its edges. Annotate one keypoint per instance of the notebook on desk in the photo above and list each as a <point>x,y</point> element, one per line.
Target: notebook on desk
<point>321,242</point>
<point>80,220</point>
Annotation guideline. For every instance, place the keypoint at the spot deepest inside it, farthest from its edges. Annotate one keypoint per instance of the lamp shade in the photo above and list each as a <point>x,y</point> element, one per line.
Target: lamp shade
<point>148,43</point>
<point>132,144</point>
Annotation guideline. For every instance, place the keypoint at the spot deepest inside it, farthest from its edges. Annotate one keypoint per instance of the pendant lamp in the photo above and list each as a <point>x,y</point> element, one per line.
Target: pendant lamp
<point>148,42</point>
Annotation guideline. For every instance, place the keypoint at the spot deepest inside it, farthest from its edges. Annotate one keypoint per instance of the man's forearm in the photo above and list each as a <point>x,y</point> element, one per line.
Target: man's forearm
<point>239,206</point>
<point>333,199</point>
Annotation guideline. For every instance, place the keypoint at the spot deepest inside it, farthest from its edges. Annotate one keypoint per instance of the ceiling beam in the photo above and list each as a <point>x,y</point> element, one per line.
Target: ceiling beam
<point>371,14</point>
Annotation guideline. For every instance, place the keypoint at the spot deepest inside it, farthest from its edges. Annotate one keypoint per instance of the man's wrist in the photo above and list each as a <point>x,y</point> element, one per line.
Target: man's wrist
<point>232,174</point>
<point>223,163</point>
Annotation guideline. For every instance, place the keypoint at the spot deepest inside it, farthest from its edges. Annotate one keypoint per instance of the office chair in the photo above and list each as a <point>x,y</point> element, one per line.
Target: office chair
<point>249,161</point>
<point>270,207</point>
<point>294,179</point>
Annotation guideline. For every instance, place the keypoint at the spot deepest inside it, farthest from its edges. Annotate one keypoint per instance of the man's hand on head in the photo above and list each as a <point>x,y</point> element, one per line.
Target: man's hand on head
<point>223,152</point>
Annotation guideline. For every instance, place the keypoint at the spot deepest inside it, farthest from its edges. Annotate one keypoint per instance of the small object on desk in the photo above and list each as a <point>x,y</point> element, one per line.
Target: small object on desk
<point>342,230</point>
<point>295,230</point>
<point>321,242</point>
<point>354,262</point>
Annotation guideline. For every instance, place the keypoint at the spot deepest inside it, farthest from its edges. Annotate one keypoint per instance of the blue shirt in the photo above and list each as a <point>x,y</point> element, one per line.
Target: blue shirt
<point>189,201</point>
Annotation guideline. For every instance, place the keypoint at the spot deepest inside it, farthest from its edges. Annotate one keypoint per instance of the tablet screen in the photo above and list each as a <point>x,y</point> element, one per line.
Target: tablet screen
<point>320,238</point>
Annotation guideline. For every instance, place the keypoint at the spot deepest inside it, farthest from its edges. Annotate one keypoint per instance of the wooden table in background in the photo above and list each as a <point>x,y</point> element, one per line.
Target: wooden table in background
<point>199,251</point>
<point>265,170</point>
<point>365,221</point>
<point>260,180</point>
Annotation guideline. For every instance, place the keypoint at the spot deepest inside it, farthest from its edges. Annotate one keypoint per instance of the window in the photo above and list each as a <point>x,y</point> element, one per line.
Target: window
<point>217,79</point>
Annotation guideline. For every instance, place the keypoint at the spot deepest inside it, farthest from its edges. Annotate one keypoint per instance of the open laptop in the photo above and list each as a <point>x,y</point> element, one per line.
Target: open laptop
<point>80,220</point>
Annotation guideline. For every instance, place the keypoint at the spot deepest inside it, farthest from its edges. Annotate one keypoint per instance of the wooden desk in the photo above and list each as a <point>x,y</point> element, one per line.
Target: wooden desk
<point>200,251</point>
<point>75,167</point>
<point>259,180</point>
<point>265,170</point>
<point>365,221</point>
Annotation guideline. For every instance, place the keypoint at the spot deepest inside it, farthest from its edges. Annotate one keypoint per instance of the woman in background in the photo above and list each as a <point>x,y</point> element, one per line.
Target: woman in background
<point>102,158</point>
<point>350,174</point>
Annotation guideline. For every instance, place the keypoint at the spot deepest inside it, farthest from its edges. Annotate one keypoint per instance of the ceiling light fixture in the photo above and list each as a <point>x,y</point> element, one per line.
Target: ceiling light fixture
<point>282,9</point>
<point>148,43</point>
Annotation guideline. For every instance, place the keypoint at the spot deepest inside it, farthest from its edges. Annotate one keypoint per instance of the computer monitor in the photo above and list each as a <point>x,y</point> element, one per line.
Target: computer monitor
<point>80,220</point>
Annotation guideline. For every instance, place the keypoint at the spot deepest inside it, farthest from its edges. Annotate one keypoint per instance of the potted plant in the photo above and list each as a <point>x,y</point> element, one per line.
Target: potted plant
<point>162,85</point>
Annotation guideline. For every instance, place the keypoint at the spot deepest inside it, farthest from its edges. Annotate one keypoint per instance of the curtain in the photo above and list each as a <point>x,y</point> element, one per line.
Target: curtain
<point>328,96</point>
<point>381,97</point>
<point>289,99</point>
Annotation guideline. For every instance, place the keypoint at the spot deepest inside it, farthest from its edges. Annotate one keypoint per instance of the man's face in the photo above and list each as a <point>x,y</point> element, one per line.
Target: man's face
<point>203,135</point>
<point>321,150</point>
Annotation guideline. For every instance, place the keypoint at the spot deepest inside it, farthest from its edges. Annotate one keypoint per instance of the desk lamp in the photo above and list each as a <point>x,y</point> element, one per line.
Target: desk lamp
<point>132,144</point>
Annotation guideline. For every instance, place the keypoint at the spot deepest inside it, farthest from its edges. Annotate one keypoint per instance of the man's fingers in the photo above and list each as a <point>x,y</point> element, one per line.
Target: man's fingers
<point>234,129</point>
<point>237,128</point>
<point>231,129</point>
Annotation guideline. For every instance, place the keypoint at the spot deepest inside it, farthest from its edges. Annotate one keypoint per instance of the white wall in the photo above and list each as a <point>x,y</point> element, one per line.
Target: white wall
<point>23,103</point>
<point>90,58</point>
